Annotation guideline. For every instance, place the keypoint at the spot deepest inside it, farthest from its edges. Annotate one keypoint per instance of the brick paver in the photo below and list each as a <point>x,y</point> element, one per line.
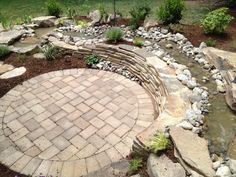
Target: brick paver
<point>64,123</point>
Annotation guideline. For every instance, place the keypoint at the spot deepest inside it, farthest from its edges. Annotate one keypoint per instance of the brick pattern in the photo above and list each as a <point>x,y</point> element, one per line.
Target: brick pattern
<point>74,117</point>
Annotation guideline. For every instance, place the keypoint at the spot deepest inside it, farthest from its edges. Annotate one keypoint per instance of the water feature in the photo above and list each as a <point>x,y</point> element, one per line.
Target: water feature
<point>221,121</point>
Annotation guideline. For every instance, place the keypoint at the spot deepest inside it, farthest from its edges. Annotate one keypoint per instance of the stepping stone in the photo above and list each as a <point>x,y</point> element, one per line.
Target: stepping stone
<point>44,21</point>
<point>5,68</point>
<point>25,50</point>
<point>13,73</point>
<point>193,150</point>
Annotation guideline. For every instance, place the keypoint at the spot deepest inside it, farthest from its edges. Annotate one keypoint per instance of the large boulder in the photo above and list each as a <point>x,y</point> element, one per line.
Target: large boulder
<point>96,17</point>
<point>44,21</point>
<point>163,167</point>
<point>193,150</point>
<point>9,37</point>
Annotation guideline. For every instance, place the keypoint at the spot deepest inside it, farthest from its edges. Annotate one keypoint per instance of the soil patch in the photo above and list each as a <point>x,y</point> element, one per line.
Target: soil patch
<point>227,41</point>
<point>36,67</point>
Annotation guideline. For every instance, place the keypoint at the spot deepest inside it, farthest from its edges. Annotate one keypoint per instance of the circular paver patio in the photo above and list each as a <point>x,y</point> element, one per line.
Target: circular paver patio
<point>73,116</point>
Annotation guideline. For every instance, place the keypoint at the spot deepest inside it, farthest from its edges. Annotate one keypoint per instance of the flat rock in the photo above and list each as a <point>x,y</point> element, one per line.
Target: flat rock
<point>5,68</point>
<point>25,50</point>
<point>39,56</point>
<point>8,37</point>
<point>44,21</point>
<point>13,73</point>
<point>163,167</point>
<point>193,150</point>
<point>95,16</point>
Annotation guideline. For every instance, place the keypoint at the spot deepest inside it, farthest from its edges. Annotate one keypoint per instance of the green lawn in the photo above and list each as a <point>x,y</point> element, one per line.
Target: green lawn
<point>17,8</point>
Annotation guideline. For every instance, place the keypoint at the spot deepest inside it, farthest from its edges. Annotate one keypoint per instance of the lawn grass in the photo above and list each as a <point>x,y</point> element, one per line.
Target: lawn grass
<point>19,8</point>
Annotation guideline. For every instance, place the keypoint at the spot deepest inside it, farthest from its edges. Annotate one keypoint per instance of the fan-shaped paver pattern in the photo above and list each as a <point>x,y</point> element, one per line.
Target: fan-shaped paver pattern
<point>71,122</point>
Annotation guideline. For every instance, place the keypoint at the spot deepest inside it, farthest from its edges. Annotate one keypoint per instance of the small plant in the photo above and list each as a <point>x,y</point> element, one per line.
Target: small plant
<point>171,11</point>
<point>216,21</point>
<point>27,19</point>
<point>71,13</point>
<point>82,23</point>
<point>53,8</point>
<point>50,52</point>
<point>210,42</point>
<point>158,143</point>
<point>103,12</point>
<point>138,13</point>
<point>7,23</point>
<point>176,28</point>
<point>22,57</point>
<point>92,59</point>
<point>4,51</point>
<point>138,42</point>
<point>135,164</point>
<point>114,35</point>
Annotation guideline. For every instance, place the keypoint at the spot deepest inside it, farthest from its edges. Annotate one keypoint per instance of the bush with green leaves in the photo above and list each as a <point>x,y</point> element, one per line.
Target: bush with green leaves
<point>135,164</point>
<point>158,143</point>
<point>210,42</point>
<point>92,59</point>
<point>114,35</point>
<point>170,11</point>
<point>103,12</point>
<point>138,42</point>
<point>71,13</point>
<point>50,52</point>
<point>54,8</point>
<point>4,51</point>
<point>138,13</point>
<point>216,21</point>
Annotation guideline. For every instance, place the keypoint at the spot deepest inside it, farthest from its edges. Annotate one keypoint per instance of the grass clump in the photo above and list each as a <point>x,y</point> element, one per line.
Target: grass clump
<point>4,51</point>
<point>134,165</point>
<point>138,42</point>
<point>71,13</point>
<point>50,52</point>
<point>92,59</point>
<point>114,35</point>
<point>216,21</point>
<point>138,13</point>
<point>158,143</point>
<point>210,42</point>
<point>171,11</point>
<point>54,8</point>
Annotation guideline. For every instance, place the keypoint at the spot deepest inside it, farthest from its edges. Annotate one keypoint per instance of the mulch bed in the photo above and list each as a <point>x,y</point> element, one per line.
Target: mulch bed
<point>36,67</point>
<point>227,41</point>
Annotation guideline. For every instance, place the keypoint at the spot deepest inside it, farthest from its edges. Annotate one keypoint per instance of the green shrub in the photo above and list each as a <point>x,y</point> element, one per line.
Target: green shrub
<point>71,13</point>
<point>53,8</point>
<point>210,42</point>
<point>27,19</point>
<point>103,12</point>
<point>138,13</point>
<point>216,21</point>
<point>138,42</point>
<point>158,143</point>
<point>4,51</point>
<point>92,59</point>
<point>135,164</point>
<point>82,23</point>
<point>7,23</point>
<point>171,11</point>
<point>50,52</point>
<point>114,35</point>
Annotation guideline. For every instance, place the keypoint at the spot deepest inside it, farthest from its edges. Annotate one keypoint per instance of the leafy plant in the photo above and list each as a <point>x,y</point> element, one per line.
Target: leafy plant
<point>4,51</point>
<point>7,23</point>
<point>158,143</point>
<point>50,52</point>
<point>138,13</point>
<point>53,8</point>
<point>27,19</point>
<point>170,11</point>
<point>138,42</point>
<point>114,35</point>
<point>135,164</point>
<point>92,59</point>
<point>103,12</point>
<point>71,13</point>
<point>82,23</point>
<point>216,21</point>
<point>210,42</point>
